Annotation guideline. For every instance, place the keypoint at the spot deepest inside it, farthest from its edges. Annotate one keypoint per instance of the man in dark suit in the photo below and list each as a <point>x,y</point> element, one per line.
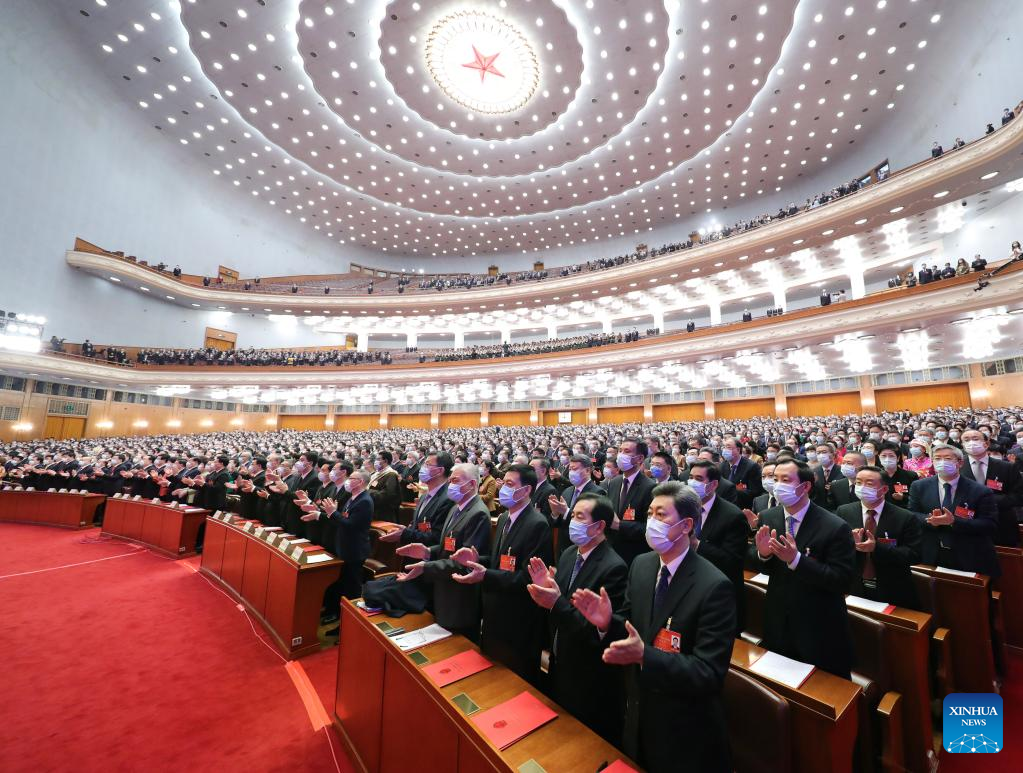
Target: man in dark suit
<point>544,488</point>
<point>719,534</point>
<point>959,516</point>
<point>512,625</point>
<point>301,487</point>
<point>843,490</point>
<point>677,626</point>
<point>214,491</point>
<point>433,505</point>
<point>352,545</point>
<point>455,606</point>
<point>766,500</point>
<point>726,489</point>
<point>742,471</point>
<point>887,540</point>
<point>630,494</point>
<point>826,473</point>
<point>809,555</point>
<point>248,485</point>
<point>1001,477</point>
<point>580,472</point>
<point>385,488</point>
<point>580,681</point>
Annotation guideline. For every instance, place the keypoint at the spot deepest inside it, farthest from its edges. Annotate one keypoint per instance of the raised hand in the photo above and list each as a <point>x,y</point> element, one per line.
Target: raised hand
<point>596,609</point>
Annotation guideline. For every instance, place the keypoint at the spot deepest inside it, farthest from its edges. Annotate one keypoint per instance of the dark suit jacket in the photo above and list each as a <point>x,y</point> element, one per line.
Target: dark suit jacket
<point>892,561</point>
<point>386,492</point>
<point>747,478</point>
<point>970,541</point>
<point>763,502</point>
<point>804,611</point>
<point>898,484</point>
<point>512,624</point>
<point>539,499</point>
<point>214,495</point>
<point>723,542</point>
<point>251,503</point>
<point>454,605</point>
<point>726,489</point>
<point>581,682</point>
<point>353,522</point>
<point>428,519</point>
<point>821,496</point>
<point>843,492</point>
<point>1003,479</point>
<point>675,718</point>
<point>629,540</point>
<point>292,515</point>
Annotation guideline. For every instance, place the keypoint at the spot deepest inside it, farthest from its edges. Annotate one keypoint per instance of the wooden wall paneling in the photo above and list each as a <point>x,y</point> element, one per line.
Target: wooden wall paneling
<point>824,404</point>
<point>356,422</point>
<point>302,422</point>
<point>744,409</point>
<point>923,398</point>
<point>456,420</point>
<point>550,418</point>
<point>509,418</point>
<point>409,420</point>
<point>679,412</point>
<point>622,414</point>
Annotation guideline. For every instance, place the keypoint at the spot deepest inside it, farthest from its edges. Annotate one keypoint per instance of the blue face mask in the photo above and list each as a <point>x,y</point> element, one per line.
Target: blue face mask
<point>945,467</point>
<point>577,477</point>
<point>457,493</point>
<point>424,474</point>
<point>578,532</point>
<point>506,496</point>
<point>659,473</point>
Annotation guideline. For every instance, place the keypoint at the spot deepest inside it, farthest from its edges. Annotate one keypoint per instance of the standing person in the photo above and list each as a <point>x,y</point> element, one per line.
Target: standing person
<point>384,487</point>
<point>433,505</point>
<point>512,630</point>
<point>455,606</point>
<point>630,494</point>
<point>808,553</point>
<point>896,478</point>
<point>580,478</point>
<point>352,545</point>
<point>998,475</point>
<point>677,626</point>
<point>742,471</point>
<point>581,682</point>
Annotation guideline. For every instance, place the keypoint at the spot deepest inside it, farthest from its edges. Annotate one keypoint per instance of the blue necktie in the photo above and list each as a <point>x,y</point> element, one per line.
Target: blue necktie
<point>575,570</point>
<point>791,521</point>
<point>699,526</point>
<point>662,588</point>
<point>946,500</point>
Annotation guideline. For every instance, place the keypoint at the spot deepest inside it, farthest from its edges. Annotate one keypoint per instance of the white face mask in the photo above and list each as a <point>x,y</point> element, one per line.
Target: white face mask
<point>787,494</point>
<point>624,461</point>
<point>867,493</point>
<point>657,536</point>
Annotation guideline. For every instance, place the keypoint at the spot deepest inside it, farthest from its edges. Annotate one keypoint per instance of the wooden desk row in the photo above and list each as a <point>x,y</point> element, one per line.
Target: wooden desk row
<point>169,530</point>
<point>51,508</point>
<point>393,718</point>
<point>283,593</point>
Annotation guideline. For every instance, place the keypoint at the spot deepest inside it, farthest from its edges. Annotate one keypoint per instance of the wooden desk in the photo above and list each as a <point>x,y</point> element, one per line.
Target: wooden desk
<point>1011,586</point>
<point>168,530</point>
<point>283,594</point>
<point>824,722</point>
<point>907,648</point>
<point>393,718</point>
<point>72,511</point>
<point>962,604</point>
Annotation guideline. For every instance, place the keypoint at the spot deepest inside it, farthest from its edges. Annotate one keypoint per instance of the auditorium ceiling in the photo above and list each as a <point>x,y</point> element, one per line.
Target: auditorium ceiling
<point>440,128</point>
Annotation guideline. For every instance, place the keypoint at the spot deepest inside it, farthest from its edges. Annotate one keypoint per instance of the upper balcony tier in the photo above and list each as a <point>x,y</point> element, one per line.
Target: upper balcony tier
<point>979,166</point>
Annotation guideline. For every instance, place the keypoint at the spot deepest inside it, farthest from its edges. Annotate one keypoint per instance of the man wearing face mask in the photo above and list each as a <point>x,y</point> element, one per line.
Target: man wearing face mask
<point>662,467</point>
<point>958,515</point>
<point>433,504</point>
<point>384,488</point>
<point>315,526</point>
<point>741,471</point>
<point>352,546</point>
<point>249,485</point>
<point>580,479</point>
<point>809,555</point>
<point>887,540</point>
<point>842,492</point>
<point>677,625</point>
<point>630,494</point>
<point>719,533</point>
<point>766,500</point>
<point>301,486</point>
<point>580,681</point>
<point>455,606</point>
<point>1001,477</point>
<point>512,630</point>
<point>544,488</point>
<point>825,474</point>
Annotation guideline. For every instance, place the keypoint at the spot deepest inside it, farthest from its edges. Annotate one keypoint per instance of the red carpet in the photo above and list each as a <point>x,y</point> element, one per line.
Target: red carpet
<point>136,662</point>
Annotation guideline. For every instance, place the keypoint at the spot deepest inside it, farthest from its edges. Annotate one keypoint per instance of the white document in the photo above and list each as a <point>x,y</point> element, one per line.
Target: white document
<point>318,558</point>
<point>789,672</point>
<point>415,639</point>
<point>858,602</point>
<point>760,579</point>
<point>955,572</point>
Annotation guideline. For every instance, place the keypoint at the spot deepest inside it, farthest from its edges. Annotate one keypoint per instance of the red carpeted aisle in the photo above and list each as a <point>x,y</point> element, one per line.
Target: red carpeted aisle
<point>120,659</point>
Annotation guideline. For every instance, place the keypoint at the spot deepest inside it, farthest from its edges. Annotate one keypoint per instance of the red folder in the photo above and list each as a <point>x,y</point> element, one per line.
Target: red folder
<point>459,666</point>
<point>506,723</point>
<point>619,767</point>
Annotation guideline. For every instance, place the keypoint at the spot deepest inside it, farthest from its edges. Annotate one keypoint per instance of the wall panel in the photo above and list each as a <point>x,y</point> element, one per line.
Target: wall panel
<point>922,398</point>
<point>744,409</point>
<point>409,420</point>
<point>303,422</point>
<point>550,418</point>
<point>620,415</point>
<point>509,418</point>
<point>457,420</point>
<point>356,422</point>
<point>679,412</point>
<point>824,404</point>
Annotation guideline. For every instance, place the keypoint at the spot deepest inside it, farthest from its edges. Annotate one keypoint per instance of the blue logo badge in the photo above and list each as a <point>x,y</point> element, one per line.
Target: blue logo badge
<point>972,723</point>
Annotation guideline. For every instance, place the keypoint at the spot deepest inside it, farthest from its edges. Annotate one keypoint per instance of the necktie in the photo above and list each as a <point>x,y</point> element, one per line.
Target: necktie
<point>731,477</point>
<point>625,495</point>
<point>699,526</point>
<point>575,570</point>
<point>662,588</point>
<point>504,535</point>
<point>978,471</point>
<point>771,502</point>
<point>946,500</point>
<point>790,522</point>
<point>868,566</point>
